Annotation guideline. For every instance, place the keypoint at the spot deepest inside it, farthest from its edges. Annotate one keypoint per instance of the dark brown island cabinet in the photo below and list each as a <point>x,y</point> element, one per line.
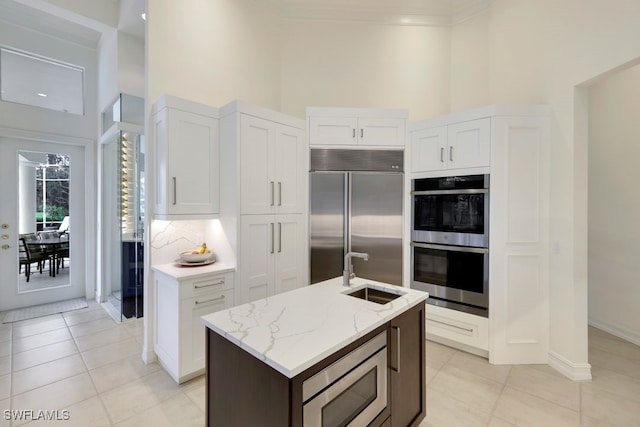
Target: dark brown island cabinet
<point>243,391</point>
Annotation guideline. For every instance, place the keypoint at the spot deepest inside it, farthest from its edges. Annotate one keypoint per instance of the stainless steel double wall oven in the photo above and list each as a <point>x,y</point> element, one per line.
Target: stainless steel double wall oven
<point>450,241</point>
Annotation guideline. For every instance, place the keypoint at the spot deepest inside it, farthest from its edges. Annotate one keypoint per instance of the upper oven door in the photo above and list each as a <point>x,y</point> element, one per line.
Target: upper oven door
<point>451,217</point>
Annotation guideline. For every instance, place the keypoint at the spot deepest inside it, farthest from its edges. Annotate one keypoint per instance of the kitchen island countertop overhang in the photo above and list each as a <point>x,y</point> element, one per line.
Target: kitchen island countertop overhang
<point>292,331</point>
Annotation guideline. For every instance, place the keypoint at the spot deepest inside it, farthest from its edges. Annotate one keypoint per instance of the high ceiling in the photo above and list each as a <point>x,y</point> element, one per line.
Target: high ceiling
<point>85,23</point>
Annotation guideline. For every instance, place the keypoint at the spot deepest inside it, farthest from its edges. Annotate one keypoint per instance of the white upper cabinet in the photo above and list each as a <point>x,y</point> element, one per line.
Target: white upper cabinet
<point>428,148</point>
<point>273,167</point>
<point>469,144</point>
<point>455,146</point>
<point>186,151</point>
<point>356,127</point>
<point>333,130</point>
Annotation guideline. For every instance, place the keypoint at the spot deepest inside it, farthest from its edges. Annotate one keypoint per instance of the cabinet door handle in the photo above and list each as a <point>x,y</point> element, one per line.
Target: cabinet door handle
<point>451,154</point>
<point>219,282</point>
<point>353,133</point>
<point>361,133</point>
<point>272,192</point>
<point>272,237</point>
<point>279,237</point>
<point>441,154</point>
<point>279,193</point>
<point>220,298</point>
<point>397,368</point>
<point>175,200</point>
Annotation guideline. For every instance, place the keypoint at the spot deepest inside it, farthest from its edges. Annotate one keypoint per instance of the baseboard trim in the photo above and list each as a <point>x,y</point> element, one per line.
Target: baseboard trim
<point>573,371</point>
<point>618,331</point>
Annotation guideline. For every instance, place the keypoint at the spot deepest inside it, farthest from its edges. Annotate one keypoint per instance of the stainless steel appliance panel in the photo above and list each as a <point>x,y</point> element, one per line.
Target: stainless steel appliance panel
<point>456,277</point>
<point>376,225</point>
<point>357,160</point>
<point>351,391</point>
<point>451,210</point>
<point>348,213</point>
<point>326,223</point>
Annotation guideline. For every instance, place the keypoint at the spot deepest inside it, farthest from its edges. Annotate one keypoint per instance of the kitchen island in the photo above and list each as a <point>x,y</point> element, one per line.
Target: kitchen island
<point>262,357</point>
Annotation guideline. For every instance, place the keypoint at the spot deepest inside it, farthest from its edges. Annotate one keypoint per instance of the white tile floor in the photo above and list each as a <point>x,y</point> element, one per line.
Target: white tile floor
<point>85,363</point>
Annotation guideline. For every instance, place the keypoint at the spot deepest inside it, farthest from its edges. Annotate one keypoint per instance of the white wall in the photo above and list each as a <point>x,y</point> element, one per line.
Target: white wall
<point>214,52</point>
<point>614,204</point>
<point>470,63</point>
<point>539,52</point>
<point>131,74</point>
<point>346,64</point>
<point>121,67</point>
<point>107,72</point>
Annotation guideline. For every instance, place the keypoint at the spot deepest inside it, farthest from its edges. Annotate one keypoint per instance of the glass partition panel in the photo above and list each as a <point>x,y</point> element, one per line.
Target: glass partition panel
<point>122,223</point>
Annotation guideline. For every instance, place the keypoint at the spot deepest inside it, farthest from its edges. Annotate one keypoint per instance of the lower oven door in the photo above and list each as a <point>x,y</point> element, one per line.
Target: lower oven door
<point>456,277</point>
<point>351,399</point>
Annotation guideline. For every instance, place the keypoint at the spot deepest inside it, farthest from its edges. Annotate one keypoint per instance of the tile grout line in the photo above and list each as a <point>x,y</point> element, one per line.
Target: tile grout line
<point>90,377</point>
<point>495,406</point>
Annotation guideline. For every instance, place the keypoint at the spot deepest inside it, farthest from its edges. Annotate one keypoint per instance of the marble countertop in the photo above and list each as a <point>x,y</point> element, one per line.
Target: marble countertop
<point>191,272</point>
<point>294,330</point>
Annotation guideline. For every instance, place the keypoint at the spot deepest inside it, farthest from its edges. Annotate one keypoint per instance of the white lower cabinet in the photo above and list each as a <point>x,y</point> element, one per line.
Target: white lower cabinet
<point>180,335</point>
<point>457,329</point>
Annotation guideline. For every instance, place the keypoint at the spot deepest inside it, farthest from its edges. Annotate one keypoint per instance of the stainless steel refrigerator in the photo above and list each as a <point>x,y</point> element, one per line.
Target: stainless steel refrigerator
<point>356,199</point>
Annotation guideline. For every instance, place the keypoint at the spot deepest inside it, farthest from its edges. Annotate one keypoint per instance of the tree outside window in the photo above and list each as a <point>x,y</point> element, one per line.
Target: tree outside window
<point>52,191</point>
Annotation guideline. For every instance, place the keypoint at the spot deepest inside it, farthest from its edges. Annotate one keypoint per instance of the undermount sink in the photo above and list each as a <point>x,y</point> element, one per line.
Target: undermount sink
<point>378,296</point>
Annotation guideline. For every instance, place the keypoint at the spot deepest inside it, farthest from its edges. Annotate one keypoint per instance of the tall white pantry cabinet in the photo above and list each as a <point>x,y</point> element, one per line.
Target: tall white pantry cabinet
<point>264,198</point>
<point>511,143</point>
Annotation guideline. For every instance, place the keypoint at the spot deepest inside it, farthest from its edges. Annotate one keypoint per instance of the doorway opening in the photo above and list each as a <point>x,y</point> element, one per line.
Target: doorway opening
<point>613,204</point>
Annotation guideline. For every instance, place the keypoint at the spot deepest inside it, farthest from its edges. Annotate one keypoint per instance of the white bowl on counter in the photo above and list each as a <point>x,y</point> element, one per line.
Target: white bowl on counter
<point>191,257</point>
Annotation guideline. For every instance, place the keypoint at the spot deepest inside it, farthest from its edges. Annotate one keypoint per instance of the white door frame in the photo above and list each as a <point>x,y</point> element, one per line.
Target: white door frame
<point>89,193</point>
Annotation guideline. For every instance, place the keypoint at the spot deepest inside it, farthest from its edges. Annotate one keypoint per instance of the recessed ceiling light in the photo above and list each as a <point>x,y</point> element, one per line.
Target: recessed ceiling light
<point>44,95</point>
<point>144,16</point>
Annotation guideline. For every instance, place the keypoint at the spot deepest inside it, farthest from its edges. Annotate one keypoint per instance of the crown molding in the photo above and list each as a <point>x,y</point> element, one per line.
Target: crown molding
<point>439,14</point>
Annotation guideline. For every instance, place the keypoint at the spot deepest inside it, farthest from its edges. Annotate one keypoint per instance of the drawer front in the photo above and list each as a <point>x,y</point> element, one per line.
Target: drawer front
<point>206,285</point>
<point>457,326</point>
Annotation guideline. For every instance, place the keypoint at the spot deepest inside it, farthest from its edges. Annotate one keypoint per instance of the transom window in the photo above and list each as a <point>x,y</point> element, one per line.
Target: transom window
<point>41,82</point>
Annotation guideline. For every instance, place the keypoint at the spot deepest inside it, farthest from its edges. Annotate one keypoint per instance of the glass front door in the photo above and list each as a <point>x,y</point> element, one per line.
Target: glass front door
<point>43,228</point>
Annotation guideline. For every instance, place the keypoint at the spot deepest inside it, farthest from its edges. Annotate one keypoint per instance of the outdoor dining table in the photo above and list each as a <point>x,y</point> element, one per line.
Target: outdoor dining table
<point>51,247</point>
